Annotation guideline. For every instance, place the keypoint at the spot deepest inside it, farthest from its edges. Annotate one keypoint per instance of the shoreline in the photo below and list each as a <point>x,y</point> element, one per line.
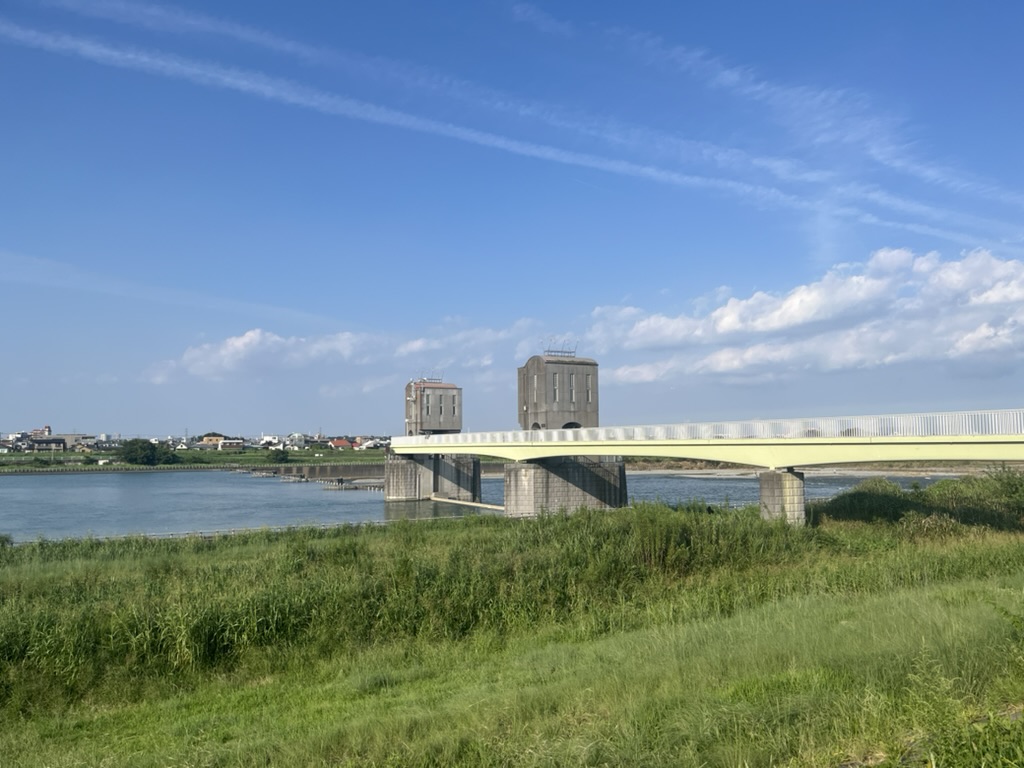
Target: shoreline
<point>812,471</point>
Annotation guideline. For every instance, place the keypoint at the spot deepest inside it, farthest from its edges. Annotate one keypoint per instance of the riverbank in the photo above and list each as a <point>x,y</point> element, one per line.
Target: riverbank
<point>644,636</point>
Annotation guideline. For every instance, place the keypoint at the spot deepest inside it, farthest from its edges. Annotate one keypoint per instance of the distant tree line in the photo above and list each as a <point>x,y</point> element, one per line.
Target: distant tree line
<point>144,452</point>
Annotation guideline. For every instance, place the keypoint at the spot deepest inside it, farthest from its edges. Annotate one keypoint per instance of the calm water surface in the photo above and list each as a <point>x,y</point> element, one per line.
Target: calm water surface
<point>122,503</point>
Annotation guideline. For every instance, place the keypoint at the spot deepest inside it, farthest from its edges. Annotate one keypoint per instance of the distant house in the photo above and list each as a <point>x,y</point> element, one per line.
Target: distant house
<point>340,443</point>
<point>230,443</point>
<point>40,444</point>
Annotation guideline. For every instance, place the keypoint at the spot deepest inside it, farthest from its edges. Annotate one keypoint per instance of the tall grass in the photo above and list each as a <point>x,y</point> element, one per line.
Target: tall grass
<point>994,499</point>
<point>86,622</point>
<point>74,609</point>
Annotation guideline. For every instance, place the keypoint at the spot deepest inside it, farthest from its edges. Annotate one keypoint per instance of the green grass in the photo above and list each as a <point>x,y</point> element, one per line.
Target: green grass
<point>647,636</point>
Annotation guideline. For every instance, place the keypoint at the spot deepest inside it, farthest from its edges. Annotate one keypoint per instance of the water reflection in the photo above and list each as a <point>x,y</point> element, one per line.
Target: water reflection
<point>424,510</point>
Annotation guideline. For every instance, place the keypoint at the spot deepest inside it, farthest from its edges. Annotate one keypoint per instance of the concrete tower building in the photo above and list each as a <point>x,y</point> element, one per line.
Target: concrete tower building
<point>432,407</point>
<point>558,390</point>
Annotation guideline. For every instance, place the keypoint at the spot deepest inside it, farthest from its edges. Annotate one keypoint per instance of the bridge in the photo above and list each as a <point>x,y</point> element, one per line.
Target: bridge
<point>573,467</point>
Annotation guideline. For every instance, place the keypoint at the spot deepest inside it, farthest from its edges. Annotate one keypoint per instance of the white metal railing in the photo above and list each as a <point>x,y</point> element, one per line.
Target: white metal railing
<point>950,424</point>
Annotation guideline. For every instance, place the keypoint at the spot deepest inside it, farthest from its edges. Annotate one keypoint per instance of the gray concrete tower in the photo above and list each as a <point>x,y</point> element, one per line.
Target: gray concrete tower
<point>558,390</point>
<point>432,407</point>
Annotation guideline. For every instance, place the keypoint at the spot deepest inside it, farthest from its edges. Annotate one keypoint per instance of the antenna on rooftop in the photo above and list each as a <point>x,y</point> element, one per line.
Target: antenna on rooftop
<point>561,347</point>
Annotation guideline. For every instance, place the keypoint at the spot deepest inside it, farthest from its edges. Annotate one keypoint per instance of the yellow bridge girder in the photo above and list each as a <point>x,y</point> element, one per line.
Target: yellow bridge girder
<point>769,453</point>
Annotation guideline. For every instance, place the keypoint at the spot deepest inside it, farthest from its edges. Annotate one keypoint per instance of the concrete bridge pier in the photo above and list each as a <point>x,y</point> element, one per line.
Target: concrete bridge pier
<point>420,477</point>
<point>782,496</point>
<point>567,482</point>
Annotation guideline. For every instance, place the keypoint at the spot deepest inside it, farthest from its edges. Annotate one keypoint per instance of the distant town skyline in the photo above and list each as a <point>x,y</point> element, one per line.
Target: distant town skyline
<point>223,216</point>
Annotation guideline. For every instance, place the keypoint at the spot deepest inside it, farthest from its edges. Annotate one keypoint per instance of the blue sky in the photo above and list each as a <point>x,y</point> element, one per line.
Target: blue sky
<point>250,217</point>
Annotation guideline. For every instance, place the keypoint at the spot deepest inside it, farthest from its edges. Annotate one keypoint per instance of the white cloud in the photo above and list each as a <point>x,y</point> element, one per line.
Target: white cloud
<point>732,359</point>
<point>610,326</point>
<point>257,349</point>
<point>834,295</point>
<point>659,330</point>
<point>376,383</point>
<point>342,345</point>
<point>888,260</point>
<point>414,346</point>
<point>644,373</point>
<point>896,307</point>
<point>984,338</point>
<point>452,337</point>
<point>160,373</point>
<point>485,361</point>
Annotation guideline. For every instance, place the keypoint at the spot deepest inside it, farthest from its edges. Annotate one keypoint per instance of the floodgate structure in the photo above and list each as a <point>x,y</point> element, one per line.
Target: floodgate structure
<point>552,469</point>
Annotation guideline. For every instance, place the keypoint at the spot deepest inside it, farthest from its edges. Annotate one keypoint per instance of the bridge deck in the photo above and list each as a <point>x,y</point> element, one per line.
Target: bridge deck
<point>993,436</point>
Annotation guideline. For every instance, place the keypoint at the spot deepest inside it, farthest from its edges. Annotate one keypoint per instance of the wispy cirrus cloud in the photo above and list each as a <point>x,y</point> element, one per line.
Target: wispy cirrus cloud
<point>453,336</point>
<point>52,275</point>
<point>545,22</point>
<point>614,132</point>
<point>169,18</point>
<point>293,94</point>
<point>820,116</point>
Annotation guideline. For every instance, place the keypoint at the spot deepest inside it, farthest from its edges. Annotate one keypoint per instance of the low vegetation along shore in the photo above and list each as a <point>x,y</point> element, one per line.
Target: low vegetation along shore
<point>888,632</point>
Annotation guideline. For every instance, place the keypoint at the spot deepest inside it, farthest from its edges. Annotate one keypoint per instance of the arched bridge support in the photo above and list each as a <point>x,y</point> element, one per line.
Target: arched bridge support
<point>442,476</point>
<point>782,496</point>
<point>564,483</point>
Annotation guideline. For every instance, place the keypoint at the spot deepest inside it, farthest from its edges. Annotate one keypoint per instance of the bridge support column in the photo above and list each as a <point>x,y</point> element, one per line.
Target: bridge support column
<point>565,483</point>
<point>407,478</point>
<point>417,478</point>
<point>457,478</point>
<point>782,496</point>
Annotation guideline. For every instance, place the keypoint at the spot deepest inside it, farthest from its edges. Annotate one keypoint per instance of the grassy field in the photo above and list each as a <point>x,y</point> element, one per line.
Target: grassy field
<point>890,632</point>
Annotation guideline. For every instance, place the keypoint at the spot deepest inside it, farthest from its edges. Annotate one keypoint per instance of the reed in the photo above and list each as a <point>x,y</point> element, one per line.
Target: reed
<point>703,638</point>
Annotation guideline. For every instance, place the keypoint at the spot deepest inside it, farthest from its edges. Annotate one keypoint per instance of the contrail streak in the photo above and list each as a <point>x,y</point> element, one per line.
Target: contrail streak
<point>288,92</point>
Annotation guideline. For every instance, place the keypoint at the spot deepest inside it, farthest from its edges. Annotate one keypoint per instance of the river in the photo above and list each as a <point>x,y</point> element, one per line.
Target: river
<point>106,504</point>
